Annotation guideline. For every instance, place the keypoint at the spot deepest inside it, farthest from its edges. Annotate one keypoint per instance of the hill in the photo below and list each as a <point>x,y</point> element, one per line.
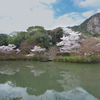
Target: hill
<point>90,26</point>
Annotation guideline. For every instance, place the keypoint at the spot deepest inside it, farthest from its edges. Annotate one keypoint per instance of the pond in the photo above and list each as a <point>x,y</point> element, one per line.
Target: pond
<point>29,80</point>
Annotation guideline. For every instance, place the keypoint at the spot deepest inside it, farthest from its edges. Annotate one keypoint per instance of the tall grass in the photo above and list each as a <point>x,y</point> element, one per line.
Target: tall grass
<point>77,59</point>
<point>19,57</point>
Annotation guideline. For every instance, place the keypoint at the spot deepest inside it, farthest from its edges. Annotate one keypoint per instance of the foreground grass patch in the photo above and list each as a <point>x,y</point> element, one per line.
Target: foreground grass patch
<point>17,57</point>
<point>77,59</point>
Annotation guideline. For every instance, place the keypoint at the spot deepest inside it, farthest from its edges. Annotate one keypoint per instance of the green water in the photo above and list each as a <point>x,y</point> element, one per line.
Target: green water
<point>49,80</point>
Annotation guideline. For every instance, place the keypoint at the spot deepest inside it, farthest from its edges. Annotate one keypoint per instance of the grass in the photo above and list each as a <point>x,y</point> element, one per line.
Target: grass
<point>17,57</point>
<point>21,57</point>
<point>71,59</point>
<point>78,59</point>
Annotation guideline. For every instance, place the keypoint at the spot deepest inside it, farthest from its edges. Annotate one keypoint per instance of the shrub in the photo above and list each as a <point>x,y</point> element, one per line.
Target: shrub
<point>94,58</point>
<point>59,58</point>
<point>33,58</point>
<point>52,52</point>
<point>65,59</point>
<point>78,59</point>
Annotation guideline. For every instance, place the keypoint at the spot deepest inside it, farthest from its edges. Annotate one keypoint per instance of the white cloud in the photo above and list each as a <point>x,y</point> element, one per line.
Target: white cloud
<point>18,15</point>
<point>69,20</point>
<point>59,10</point>
<point>88,14</point>
<point>87,3</point>
<point>90,3</point>
<point>48,1</point>
<point>98,10</point>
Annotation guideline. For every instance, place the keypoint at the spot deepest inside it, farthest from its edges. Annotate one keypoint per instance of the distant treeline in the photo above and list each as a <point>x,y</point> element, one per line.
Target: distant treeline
<point>36,35</point>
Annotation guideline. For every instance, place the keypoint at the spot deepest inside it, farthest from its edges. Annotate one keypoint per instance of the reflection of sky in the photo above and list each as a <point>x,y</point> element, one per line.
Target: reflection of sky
<point>75,94</point>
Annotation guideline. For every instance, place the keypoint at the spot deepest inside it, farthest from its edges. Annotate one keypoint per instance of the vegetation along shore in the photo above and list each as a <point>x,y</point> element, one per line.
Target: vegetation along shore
<point>76,44</point>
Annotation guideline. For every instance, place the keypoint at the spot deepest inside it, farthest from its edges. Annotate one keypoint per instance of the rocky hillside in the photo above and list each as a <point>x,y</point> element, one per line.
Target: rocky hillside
<point>91,26</point>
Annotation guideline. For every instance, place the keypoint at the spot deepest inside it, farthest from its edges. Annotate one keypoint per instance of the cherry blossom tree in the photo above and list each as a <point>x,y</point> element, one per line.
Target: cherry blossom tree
<point>90,46</point>
<point>69,41</point>
<point>36,51</point>
<point>9,48</point>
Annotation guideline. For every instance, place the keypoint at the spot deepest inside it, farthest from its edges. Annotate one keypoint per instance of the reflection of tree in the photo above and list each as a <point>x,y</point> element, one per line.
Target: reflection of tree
<point>86,76</point>
<point>9,71</point>
<point>37,79</point>
<point>45,80</point>
<point>76,91</point>
<point>40,77</point>
<point>68,81</point>
<point>90,79</point>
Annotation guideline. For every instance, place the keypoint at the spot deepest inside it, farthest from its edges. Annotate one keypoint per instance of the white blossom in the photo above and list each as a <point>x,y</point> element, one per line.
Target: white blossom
<point>38,49</point>
<point>69,40</point>
<point>17,50</point>
<point>30,55</point>
<point>10,47</point>
<point>35,49</point>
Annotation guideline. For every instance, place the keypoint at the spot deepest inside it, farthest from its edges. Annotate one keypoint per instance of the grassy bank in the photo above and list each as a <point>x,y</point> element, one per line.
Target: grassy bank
<point>78,59</point>
<point>70,59</point>
<point>19,57</point>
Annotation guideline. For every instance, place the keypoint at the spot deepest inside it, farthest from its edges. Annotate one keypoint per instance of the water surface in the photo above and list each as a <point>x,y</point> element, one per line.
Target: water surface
<point>49,80</point>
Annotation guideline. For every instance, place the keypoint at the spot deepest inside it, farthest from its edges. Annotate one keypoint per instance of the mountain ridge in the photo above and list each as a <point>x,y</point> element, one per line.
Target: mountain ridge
<point>90,26</point>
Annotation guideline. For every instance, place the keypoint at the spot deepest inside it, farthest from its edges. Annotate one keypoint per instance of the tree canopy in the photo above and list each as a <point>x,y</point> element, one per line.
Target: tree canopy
<point>34,35</point>
<point>3,39</point>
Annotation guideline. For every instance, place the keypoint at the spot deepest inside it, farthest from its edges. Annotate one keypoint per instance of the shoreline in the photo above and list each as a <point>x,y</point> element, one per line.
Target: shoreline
<point>66,59</point>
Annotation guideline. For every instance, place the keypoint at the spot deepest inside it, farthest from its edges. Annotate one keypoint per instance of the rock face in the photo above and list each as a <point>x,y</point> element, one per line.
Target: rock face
<point>90,26</point>
<point>93,25</point>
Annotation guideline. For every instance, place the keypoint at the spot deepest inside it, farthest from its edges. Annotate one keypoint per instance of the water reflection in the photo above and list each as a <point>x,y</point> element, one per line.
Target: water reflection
<point>36,80</point>
<point>75,94</point>
<point>69,80</point>
<point>9,71</point>
<point>36,72</point>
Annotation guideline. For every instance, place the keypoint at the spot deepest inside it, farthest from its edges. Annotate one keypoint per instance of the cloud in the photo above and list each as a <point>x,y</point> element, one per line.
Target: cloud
<point>70,19</point>
<point>98,10</point>
<point>48,1</point>
<point>88,14</point>
<point>18,15</point>
<point>58,10</point>
<point>87,3</point>
<point>90,3</point>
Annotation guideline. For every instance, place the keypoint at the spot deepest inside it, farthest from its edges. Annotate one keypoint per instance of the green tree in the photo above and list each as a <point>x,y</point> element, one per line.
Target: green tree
<point>16,38</point>
<point>33,29</point>
<point>40,36</point>
<point>56,34</point>
<point>3,39</point>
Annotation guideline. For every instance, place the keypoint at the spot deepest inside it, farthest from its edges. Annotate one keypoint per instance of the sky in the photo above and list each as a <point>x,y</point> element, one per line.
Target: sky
<point>18,15</point>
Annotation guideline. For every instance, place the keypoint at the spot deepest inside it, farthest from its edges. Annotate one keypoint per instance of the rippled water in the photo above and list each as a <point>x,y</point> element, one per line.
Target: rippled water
<point>49,80</point>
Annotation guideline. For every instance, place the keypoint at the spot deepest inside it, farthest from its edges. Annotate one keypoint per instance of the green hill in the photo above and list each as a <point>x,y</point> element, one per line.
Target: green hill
<point>90,26</point>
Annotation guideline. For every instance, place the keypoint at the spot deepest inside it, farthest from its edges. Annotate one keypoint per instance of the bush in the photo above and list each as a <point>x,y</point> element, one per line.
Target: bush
<point>59,58</point>
<point>65,59</point>
<point>80,60</point>
<point>35,58</point>
<point>94,58</point>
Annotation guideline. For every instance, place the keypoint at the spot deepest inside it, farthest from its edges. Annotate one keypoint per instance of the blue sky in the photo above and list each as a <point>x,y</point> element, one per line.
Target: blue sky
<point>18,15</point>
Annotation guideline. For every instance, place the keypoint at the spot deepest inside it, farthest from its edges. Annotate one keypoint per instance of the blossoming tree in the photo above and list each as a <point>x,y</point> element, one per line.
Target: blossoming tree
<point>69,40</point>
<point>9,48</point>
<point>36,50</point>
